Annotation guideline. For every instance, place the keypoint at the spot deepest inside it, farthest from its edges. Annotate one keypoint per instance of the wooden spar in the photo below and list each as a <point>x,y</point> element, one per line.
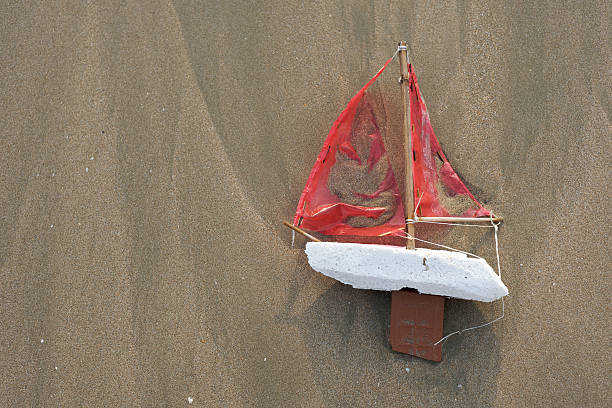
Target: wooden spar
<point>409,189</point>
<point>301,231</point>
<point>466,220</point>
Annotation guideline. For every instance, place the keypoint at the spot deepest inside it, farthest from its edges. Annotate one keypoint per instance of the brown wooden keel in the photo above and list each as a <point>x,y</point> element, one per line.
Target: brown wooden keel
<point>416,324</point>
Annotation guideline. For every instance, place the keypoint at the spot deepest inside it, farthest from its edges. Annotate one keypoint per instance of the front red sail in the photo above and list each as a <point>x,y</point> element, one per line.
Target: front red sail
<point>352,189</point>
<point>438,191</point>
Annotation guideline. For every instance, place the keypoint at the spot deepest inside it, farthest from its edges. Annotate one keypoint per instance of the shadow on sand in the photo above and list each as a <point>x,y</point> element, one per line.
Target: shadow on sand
<point>346,334</point>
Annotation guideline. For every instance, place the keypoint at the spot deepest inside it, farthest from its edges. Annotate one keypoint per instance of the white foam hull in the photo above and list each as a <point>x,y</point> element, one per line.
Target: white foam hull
<point>386,267</point>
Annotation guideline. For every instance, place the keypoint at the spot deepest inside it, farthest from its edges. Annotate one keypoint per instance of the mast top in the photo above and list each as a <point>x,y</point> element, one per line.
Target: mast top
<point>402,46</point>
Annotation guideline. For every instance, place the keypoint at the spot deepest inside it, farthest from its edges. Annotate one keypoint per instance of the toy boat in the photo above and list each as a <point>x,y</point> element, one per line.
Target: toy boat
<point>352,196</point>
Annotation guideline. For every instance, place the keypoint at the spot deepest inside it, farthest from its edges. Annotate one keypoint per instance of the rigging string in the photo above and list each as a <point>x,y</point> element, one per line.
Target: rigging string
<point>408,236</point>
<point>503,313</point>
<point>394,55</point>
<point>495,228</point>
<point>416,219</point>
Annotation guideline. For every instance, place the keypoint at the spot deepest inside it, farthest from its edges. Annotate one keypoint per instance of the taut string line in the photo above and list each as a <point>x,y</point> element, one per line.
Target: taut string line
<point>495,227</point>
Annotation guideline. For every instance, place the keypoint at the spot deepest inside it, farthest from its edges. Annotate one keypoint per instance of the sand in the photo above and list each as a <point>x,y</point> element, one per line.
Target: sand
<point>150,150</point>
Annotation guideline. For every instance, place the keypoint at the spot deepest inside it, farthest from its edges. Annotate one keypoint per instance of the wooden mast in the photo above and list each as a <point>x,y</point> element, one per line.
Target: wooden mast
<point>416,320</point>
<point>409,188</point>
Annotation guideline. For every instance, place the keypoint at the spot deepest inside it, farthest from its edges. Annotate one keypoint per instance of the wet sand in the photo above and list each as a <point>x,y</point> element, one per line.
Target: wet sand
<point>149,152</point>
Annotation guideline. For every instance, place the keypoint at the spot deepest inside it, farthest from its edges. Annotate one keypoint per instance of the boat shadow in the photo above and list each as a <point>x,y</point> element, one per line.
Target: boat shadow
<point>346,333</point>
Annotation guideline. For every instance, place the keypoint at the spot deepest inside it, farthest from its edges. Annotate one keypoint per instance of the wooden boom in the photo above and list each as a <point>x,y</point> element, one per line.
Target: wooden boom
<point>457,219</point>
<point>301,231</point>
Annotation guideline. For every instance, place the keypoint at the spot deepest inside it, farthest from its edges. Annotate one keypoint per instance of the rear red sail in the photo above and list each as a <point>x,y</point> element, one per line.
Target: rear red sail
<point>352,189</point>
<point>438,191</point>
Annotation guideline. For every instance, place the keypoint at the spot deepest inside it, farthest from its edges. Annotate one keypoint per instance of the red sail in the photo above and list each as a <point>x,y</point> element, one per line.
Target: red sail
<point>438,190</point>
<point>352,190</point>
